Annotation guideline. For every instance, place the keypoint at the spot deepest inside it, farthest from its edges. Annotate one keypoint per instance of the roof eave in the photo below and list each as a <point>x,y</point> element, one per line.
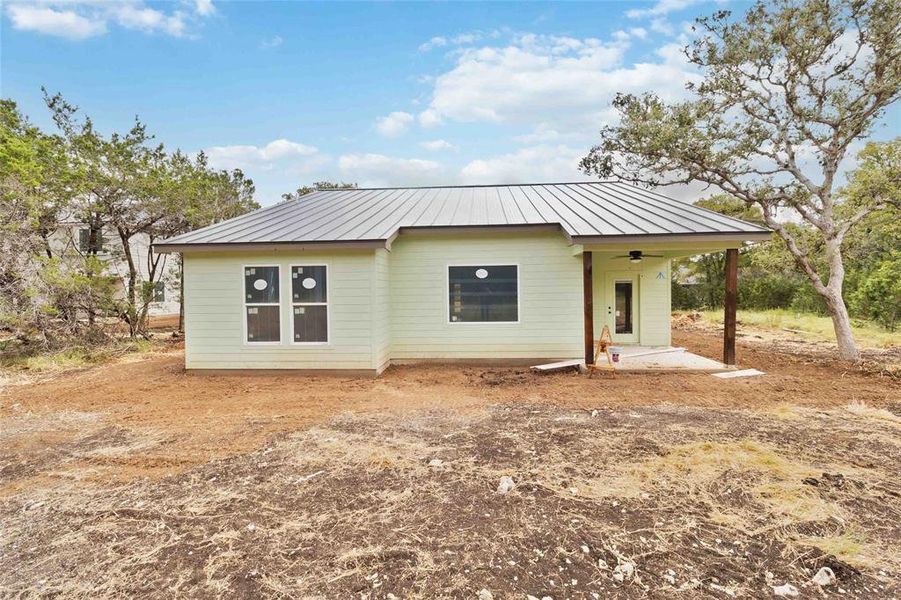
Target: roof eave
<point>166,248</point>
<point>724,237</point>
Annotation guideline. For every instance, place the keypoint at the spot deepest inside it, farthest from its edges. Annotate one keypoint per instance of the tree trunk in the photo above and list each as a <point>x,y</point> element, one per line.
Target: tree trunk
<point>841,322</point>
<point>838,310</point>
<point>131,288</point>
<point>832,291</point>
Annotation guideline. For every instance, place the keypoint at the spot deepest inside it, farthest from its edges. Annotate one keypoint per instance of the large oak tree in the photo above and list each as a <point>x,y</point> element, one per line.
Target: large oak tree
<point>786,90</point>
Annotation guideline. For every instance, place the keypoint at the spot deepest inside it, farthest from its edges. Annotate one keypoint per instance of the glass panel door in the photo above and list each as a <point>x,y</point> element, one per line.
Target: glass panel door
<point>623,307</point>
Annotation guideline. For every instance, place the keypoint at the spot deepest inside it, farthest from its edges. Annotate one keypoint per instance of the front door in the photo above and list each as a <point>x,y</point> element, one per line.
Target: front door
<point>622,306</point>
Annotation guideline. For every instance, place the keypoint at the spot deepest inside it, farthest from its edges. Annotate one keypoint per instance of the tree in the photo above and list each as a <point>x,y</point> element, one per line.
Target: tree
<point>41,295</point>
<point>712,266</point>
<point>119,187</point>
<point>879,295</point>
<point>135,187</point>
<point>204,196</point>
<point>318,187</point>
<point>785,92</point>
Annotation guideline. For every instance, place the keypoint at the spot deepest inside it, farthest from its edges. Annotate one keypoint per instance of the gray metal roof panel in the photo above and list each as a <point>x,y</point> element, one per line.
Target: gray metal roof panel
<point>582,209</point>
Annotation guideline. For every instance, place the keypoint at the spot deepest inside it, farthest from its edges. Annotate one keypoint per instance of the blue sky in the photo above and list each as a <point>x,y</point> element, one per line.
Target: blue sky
<point>380,94</point>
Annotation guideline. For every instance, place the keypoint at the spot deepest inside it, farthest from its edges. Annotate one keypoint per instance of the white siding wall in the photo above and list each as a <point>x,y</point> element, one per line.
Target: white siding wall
<point>64,241</point>
<point>214,304</point>
<point>550,298</point>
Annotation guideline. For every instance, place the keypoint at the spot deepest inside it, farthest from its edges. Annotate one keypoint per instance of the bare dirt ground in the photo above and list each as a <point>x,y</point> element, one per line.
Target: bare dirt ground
<point>137,479</point>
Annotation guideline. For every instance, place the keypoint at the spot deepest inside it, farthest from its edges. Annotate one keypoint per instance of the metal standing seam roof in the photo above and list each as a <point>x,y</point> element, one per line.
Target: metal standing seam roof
<point>584,212</point>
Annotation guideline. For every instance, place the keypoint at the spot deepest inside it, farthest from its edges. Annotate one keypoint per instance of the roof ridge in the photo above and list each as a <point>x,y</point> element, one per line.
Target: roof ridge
<point>477,185</point>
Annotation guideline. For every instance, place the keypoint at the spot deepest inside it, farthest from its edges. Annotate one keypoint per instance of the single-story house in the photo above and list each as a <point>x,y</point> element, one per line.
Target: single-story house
<point>353,280</point>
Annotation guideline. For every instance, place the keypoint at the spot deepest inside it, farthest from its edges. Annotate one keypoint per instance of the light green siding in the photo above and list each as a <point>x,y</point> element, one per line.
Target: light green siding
<point>214,313</point>
<point>550,297</point>
<point>653,294</point>
<point>381,310</point>
<point>393,305</point>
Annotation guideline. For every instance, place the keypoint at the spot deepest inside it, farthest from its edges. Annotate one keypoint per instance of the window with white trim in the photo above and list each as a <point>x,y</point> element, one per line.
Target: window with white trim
<point>483,294</point>
<point>261,304</point>
<point>309,304</point>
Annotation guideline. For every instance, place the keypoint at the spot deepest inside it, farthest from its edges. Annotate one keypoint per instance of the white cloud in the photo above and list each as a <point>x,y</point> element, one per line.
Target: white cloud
<point>429,118</point>
<point>639,32</point>
<point>461,39</point>
<point>438,145</point>
<point>435,42</point>
<point>394,124</point>
<point>204,7</point>
<point>135,16</point>
<point>545,134</point>
<point>272,42</point>
<point>82,19</point>
<point>662,26</point>
<point>663,7</point>
<point>265,157</point>
<point>565,83</point>
<point>373,170</point>
<point>543,163</point>
<point>61,23</point>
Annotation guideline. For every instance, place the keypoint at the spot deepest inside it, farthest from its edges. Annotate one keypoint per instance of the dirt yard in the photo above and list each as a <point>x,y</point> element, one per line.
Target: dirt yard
<point>137,479</point>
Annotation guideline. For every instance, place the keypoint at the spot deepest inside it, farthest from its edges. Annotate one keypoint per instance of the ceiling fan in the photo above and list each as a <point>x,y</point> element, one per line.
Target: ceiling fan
<point>635,256</point>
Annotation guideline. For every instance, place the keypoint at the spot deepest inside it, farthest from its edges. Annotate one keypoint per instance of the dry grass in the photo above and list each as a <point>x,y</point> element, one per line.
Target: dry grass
<point>354,507</point>
<point>861,409</point>
<point>811,326</point>
<point>141,481</point>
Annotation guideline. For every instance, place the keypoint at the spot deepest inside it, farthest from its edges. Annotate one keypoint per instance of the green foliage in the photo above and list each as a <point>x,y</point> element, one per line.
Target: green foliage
<point>316,187</point>
<point>878,297</point>
<point>123,183</point>
<point>791,79</point>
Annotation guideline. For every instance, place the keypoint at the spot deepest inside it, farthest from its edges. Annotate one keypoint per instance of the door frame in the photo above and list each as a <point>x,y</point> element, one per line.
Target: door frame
<point>610,279</point>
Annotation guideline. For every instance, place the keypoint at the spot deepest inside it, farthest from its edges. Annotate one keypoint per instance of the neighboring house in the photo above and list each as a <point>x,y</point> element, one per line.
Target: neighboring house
<point>73,236</point>
<point>357,279</point>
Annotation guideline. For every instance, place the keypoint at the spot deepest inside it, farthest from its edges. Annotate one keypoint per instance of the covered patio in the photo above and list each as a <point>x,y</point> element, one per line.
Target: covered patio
<point>641,349</point>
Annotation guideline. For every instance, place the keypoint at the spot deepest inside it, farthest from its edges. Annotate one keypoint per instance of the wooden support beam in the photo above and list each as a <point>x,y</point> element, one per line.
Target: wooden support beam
<point>588,306</point>
<point>731,304</point>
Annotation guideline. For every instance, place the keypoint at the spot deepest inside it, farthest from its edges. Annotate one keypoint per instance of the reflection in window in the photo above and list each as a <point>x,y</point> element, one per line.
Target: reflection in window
<point>483,294</point>
<point>309,304</point>
<point>623,293</point>
<point>261,304</point>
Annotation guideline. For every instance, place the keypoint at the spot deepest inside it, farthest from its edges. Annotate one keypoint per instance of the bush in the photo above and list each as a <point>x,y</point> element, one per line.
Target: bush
<point>687,296</point>
<point>767,291</point>
<point>878,296</point>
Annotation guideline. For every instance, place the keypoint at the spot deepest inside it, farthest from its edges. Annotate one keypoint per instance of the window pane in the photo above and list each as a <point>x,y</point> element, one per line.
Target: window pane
<point>260,285</point>
<point>623,306</point>
<point>483,294</point>
<point>308,284</point>
<point>159,291</point>
<point>310,323</point>
<point>262,323</point>
<point>84,239</point>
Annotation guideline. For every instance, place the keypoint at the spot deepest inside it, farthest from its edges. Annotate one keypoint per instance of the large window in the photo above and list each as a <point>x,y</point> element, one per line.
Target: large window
<point>483,294</point>
<point>261,304</point>
<point>309,304</point>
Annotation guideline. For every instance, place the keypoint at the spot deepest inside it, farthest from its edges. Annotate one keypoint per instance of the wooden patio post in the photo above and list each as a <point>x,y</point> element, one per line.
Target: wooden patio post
<point>731,303</point>
<point>588,306</point>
